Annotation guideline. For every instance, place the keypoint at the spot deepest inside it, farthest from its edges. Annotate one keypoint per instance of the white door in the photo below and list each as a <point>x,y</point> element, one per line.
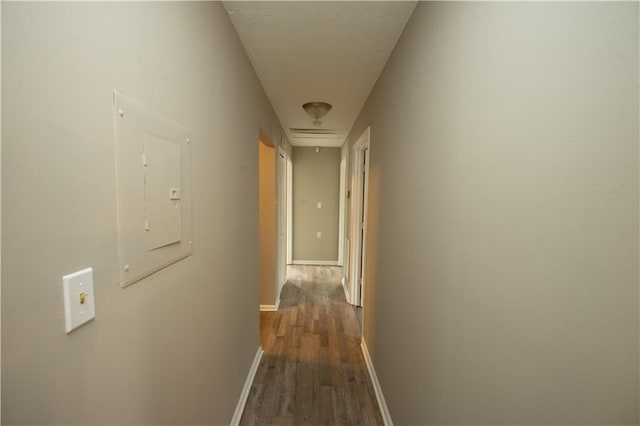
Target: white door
<point>363,223</point>
<point>360,201</point>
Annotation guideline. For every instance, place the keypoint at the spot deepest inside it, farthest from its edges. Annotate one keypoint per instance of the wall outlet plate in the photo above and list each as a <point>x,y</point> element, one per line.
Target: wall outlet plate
<point>79,303</point>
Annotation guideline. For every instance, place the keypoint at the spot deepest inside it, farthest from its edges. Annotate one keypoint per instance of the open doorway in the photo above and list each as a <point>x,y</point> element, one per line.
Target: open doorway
<point>267,233</point>
<point>359,203</point>
<point>273,211</point>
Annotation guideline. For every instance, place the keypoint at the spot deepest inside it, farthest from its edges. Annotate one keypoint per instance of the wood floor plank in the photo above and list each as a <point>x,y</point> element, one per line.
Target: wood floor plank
<point>312,371</point>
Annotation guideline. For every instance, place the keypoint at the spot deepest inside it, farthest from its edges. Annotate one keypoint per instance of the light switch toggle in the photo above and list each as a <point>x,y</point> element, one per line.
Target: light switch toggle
<point>83,296</point>
<point>174,193</point>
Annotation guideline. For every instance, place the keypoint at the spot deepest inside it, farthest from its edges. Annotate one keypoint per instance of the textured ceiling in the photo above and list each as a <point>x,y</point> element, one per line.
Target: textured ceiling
<point>331,51</point>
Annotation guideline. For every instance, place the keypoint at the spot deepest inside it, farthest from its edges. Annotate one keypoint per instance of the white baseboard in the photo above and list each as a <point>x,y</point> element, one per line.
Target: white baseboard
<point>316,262</point>
<point>237,415</point>
<point>384,410</point>
<point>269,308</point>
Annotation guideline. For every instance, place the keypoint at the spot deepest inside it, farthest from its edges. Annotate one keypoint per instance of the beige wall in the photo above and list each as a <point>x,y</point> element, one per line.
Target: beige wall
<point>316,178</point>
<point>267,226</point>
<point>174,348</point>
<point>503,228</point>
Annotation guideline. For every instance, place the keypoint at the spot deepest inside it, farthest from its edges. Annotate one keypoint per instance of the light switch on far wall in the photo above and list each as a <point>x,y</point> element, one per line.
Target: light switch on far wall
<point>319,205</point>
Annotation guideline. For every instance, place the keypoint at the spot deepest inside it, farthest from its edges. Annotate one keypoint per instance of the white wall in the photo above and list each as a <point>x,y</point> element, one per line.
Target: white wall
<point>176,347</point>
<point>503,230</point>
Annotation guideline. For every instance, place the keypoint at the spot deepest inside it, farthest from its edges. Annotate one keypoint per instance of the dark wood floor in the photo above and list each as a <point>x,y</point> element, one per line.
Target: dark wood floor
<point>312,371</point>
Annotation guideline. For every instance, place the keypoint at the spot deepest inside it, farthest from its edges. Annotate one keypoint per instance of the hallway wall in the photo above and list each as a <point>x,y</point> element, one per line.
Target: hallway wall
<point>502,273</point>
<point>176,347</point>
<point>316,178</point>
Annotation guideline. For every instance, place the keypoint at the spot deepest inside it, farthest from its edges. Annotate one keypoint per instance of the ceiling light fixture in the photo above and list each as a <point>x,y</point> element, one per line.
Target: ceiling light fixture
<point>316,110</point>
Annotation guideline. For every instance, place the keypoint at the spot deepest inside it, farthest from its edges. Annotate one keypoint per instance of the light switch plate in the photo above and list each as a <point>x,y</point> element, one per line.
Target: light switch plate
<point>319,205</point>
<point>79,303</point>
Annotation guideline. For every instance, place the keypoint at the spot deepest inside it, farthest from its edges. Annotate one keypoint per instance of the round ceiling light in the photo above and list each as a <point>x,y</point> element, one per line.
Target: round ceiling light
<point>316,110</point>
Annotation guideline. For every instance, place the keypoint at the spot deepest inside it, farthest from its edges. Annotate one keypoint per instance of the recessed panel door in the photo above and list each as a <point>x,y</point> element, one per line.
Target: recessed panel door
<point>162,192</point>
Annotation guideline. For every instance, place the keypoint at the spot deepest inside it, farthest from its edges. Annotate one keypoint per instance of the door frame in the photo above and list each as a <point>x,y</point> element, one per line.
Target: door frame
<point>345,217</point>
<point>289,210</point>
<point>342,207</point>
<point>359,209</point>
<point>282,228</point>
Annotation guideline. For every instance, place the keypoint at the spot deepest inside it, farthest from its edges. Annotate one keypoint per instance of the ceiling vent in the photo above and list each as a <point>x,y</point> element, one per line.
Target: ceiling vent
<point>316,133</point>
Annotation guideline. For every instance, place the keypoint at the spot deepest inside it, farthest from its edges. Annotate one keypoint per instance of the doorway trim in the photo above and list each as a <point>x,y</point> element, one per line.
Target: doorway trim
<point>282,200</point>
<point>342,207</point>
<point>359,210</point>
<point>289,210</point>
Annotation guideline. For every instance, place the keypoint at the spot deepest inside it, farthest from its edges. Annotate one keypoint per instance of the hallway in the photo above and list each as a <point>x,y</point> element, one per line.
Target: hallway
<point>312,371</point>
<point>495,145</point>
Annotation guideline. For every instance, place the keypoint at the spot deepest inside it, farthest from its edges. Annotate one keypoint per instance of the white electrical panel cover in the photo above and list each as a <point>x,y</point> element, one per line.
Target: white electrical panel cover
<point>153,186</point>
